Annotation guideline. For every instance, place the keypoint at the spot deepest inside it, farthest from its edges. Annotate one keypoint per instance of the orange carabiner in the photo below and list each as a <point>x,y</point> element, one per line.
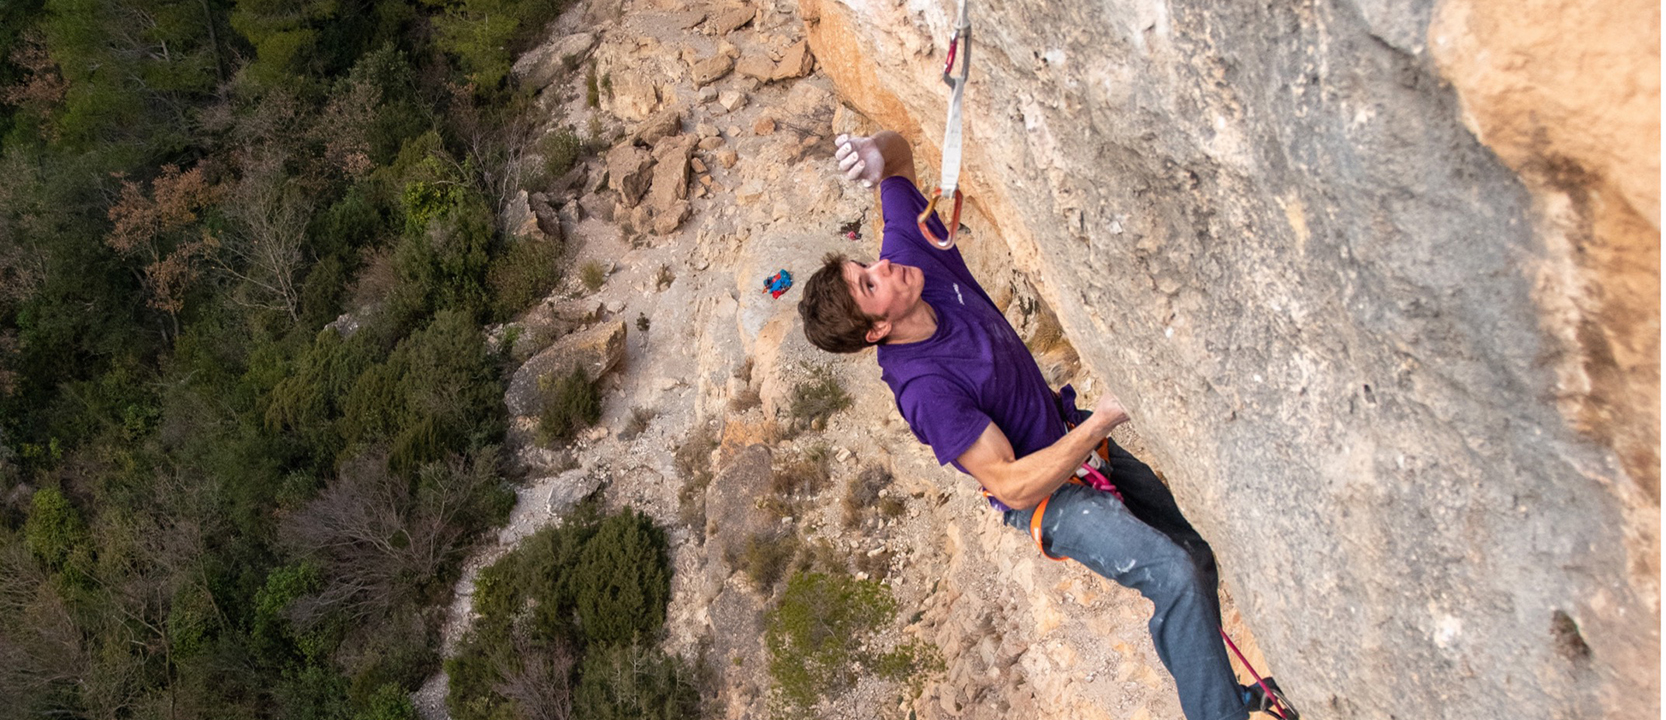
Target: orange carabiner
<point>954,219</point>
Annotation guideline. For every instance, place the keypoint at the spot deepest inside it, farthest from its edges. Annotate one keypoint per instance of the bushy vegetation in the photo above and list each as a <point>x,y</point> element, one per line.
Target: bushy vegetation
<point>210,504</point>
<point>571,403</point>
<point>818,397</point>
<point>567,624</point>
<point>825,632</point>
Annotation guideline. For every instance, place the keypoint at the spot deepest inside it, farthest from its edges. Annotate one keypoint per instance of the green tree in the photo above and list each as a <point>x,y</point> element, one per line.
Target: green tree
<point>54,531</point>
<point>634,682</point>
<point>623,581</point>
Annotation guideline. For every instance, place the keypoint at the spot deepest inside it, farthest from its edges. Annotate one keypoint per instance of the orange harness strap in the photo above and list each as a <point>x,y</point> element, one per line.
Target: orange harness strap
<point>1099,481</point>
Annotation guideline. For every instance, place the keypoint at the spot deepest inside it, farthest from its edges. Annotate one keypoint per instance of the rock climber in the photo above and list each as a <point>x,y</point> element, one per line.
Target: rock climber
<point>970,389</point>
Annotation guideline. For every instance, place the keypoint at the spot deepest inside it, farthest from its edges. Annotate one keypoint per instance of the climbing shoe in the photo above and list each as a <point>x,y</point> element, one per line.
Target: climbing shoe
<point>1269,700</point>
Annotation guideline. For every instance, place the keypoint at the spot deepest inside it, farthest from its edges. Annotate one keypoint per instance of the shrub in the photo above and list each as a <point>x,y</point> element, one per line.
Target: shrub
<point>592,590</point>
<point>823,633</point>
<point>593,275</point>
<point>816,399</point>
<point>803,474</point>
<point>864,492</point>
<point>390,702</point>
<point>744,400</point>
<point>640,417</point>
<point>561,150</point>
<point>592,90</point>
<point>766,558</point>
<point>522,276</point>
<point>571,403</point>
<point>665,277</point>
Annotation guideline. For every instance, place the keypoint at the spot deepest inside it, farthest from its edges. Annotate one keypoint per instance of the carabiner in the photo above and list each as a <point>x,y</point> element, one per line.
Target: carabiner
<point>954,223</point>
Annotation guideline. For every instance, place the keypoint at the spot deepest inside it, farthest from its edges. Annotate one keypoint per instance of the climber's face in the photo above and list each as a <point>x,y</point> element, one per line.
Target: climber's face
<point>884,290</point>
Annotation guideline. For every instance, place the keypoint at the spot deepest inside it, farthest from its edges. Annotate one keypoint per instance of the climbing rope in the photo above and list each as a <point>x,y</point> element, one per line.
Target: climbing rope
<point>1280,708</point>
<point>948,183</point>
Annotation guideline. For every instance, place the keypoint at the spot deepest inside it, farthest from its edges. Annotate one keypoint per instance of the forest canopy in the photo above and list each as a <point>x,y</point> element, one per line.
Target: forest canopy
<point>249,421</point>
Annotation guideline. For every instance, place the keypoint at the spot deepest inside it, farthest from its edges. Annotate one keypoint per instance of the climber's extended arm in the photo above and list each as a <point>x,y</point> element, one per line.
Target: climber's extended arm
<point>1021,483</point>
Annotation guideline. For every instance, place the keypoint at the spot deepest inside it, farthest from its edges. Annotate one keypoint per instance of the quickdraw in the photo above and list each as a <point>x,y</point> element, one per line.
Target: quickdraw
<point>948,184</point>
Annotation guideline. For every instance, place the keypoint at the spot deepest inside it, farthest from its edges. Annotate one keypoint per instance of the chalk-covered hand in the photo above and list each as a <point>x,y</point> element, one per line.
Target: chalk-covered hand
<point>1110,411</point>
<point>859,159</point>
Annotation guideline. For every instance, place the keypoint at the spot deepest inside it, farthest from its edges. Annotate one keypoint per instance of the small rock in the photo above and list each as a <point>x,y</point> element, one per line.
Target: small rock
<point>757,67</point>
<point>731,100</point>
<point>698,166</point>
<point>706,180</point>
<point>568,488</point>
<point>727,157</point>
<point>729,20</point>
<point>597,350</point>
<point>661,124</point>
<point>712,143</point>
<point>733,131</point>
<point>666,221</point>
<point>764,126</point>
<point>596,434</point>
<point>728,49</point>
<point>705,130</point>
<point>706,94</point>
<point>520,220</point>
<point>712,69</point>
<point>795,63</point>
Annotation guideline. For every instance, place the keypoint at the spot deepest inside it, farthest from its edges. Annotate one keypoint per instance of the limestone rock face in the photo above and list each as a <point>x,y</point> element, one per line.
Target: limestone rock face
<point>1379,292</point>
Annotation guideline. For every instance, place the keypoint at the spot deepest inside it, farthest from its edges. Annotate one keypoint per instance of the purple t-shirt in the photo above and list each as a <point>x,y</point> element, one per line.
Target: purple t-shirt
<point>974,369</point>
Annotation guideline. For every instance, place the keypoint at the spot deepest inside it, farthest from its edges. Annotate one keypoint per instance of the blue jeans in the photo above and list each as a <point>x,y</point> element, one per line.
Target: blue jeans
<point>1145,543</point>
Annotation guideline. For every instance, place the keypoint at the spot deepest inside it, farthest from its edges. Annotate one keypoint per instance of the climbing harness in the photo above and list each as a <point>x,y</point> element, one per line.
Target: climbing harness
<point>948,184</point>
<point>1280,708</point>
<point>1088,475</point>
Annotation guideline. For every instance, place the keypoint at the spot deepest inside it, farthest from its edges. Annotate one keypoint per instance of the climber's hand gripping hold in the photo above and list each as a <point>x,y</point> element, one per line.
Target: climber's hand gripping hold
<point>868,160</point>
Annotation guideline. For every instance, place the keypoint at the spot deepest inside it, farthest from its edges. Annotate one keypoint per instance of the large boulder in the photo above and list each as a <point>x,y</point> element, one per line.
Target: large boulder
<point>597,350</point>
<point>712,69</point>
<point>670,182</point>
<point>796,62</point>
<point>631,95</point>
<point>629,171</point>
<point>661,124</point>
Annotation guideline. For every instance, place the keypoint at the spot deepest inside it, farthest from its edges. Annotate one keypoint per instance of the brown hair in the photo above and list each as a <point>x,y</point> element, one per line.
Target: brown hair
<point>832,320</point>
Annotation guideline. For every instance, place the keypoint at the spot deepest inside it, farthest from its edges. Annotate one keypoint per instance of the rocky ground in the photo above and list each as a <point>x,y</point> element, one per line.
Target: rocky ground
<point>718,175</point>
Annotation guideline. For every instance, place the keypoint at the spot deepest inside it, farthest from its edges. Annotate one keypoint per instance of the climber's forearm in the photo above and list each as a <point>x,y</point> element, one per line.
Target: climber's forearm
<point>899,156</point>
